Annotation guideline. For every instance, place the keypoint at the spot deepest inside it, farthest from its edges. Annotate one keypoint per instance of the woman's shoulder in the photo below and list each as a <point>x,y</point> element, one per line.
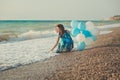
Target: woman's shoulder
<point>67,31</point>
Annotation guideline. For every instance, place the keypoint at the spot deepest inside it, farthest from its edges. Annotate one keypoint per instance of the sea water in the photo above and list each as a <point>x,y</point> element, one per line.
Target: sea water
<point>27,41</point>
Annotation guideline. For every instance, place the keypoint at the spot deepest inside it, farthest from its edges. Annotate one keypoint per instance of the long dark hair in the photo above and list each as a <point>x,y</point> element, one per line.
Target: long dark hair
<point>61,27</point>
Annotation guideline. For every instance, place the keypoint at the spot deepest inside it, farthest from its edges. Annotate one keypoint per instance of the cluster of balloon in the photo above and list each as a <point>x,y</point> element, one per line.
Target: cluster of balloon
<point>85,33</point>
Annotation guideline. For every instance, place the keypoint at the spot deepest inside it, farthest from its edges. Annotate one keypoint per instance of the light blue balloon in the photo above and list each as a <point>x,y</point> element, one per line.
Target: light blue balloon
<point>74,32</point>
<point>81,46</point>
<point>87,33</point>
<point>82,26</point>
<point>94,38</point>
<point>74,23</point>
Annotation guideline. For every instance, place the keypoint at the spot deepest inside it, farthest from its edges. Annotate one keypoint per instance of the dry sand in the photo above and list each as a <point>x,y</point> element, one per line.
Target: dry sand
<point>102,62</point>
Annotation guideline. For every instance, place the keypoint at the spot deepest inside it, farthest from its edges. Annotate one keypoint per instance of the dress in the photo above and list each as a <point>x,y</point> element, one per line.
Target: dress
<point>65,43</point>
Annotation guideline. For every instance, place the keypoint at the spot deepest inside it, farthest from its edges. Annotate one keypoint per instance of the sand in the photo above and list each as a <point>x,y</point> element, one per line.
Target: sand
<point>102,62</point>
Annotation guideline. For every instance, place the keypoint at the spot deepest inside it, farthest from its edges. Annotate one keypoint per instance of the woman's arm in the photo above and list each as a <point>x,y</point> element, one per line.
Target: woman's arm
<point>55,43</point>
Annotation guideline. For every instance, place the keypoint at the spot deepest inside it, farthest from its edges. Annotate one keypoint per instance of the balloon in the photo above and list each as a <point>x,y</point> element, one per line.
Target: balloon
<point>94,38</point>
<point>74,23</point>
<point>89,41</point>
<point>82,26</point>
<point>86,33</point>
<point>80,37</point>
<point>81,46</point>
<point>90,25</point>
<point>74,32</point>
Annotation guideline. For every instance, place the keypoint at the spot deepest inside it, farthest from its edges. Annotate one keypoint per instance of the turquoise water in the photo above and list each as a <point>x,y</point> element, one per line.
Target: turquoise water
<point>26,25</point>
<point>19,27</point>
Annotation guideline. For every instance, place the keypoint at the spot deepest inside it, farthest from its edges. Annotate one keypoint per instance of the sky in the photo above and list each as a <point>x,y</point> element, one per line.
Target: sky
<point>58,9</point>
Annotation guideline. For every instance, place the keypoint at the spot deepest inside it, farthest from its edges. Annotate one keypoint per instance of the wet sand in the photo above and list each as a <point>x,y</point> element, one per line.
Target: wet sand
<point>102,62</point>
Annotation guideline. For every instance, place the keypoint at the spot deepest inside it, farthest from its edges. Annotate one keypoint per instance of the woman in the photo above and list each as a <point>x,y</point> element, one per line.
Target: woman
<point>64,40</point>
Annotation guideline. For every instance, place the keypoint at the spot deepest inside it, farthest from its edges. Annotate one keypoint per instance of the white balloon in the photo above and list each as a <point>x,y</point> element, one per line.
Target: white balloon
<point>89,41</point>
<point>93,29</point>
<point>90,25</point>
<point>80,37</point>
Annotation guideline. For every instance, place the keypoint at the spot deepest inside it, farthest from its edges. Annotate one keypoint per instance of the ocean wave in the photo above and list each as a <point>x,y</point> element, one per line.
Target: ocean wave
<point>109,26</point>
<point>25,36</point>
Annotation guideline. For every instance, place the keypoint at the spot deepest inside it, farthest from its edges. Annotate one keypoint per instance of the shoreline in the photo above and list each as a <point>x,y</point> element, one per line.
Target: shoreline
<point>66,65</point>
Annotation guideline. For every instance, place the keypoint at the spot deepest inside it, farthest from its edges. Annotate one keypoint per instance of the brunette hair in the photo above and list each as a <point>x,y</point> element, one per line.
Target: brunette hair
<point>61,27</point>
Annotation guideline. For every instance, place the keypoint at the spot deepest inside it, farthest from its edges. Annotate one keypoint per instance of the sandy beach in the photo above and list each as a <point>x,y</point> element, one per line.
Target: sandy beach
<point>102,62</point>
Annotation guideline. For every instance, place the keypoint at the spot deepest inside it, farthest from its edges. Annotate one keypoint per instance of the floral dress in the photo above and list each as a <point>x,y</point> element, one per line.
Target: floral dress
<point>66,43</point>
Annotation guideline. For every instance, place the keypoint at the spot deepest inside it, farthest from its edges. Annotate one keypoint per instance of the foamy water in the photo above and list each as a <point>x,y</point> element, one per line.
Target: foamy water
<point>25,52</point>
<point>31,46</point>
<point>107,27</point>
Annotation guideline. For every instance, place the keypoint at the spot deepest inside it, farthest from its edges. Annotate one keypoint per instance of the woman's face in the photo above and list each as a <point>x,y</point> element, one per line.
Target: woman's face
<point>57,29</point>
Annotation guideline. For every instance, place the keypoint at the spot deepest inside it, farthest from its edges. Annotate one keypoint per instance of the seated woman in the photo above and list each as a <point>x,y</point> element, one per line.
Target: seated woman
<point>64,40</point>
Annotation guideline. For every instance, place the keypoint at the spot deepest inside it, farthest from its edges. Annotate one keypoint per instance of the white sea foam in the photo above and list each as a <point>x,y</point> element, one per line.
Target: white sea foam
<point>109,26</point>
<point>25,52</point>
<point>105,32</point>
<point>31,34</point>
